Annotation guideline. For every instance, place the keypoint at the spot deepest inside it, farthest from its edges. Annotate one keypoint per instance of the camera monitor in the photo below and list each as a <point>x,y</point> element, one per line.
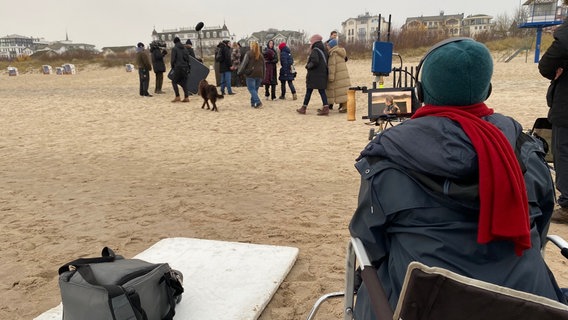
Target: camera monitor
<point>403,97</point>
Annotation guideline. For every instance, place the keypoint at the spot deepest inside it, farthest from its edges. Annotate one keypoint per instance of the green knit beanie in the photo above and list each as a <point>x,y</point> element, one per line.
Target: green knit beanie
<point>457,74</point>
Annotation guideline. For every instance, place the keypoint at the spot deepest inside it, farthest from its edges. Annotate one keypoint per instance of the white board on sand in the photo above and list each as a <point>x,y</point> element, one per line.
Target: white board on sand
<point>222,280</point>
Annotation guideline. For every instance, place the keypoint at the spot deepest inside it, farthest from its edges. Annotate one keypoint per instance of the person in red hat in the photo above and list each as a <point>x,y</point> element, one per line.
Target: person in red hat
<point>287,75</point>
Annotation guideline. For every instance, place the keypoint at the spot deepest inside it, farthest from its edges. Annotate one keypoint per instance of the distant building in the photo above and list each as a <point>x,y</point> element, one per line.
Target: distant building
<point>473,25</point>
<point>292,38</point>
<point>111,51</point>
<point>364,28</point>
<point>64,46</point>
<point>441,25</point>
<point>13,46</point>
<point>208,36</point>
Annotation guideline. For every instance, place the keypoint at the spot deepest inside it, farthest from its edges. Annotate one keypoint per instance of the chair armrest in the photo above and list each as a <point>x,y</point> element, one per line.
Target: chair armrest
<point>560,243</point>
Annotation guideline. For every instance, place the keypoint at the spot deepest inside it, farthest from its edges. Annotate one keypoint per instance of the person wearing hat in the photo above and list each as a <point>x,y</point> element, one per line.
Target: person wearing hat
<point>181,66</point>
<point>446,188</point>
<point>189,47</point>
<point>144,67</point>
<point>338,81</point>
<point>286,75</point>
<point>552,66</point>
<point>316,76</point>
<point>157,54</point>
<point>223,57</point>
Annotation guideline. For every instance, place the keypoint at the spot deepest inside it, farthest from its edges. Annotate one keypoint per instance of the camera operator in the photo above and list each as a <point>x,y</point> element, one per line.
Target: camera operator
<point>158,52</point>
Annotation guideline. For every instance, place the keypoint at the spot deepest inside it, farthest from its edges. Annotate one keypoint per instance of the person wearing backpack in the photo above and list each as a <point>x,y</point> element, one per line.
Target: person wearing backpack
<point>316,77</point>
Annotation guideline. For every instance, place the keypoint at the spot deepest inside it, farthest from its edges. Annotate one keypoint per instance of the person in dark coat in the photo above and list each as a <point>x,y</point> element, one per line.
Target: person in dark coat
<point>316,78</point>
<point>144,67</point>
<point>181,66</point>
<point>447,189</point>
<point>270,76</point>
<point>189,47</point>
<point>553,66</point>
<point>223,56</point>
<point>286,76</point>
<point>157,54</point>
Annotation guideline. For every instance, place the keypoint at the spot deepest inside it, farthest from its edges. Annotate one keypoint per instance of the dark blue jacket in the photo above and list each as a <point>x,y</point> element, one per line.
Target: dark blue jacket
<point>286,62</point>
<point>419,201</point>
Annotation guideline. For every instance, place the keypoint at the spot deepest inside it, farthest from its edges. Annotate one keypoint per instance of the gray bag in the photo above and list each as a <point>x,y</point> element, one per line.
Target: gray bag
<point>111,287</point>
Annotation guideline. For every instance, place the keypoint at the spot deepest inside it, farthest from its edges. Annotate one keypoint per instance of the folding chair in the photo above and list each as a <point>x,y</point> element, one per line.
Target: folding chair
<point>542,130</point>
<point>436,293</point>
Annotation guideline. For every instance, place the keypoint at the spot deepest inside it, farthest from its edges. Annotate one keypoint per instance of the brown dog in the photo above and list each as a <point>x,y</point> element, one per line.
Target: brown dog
<point>209,93</point>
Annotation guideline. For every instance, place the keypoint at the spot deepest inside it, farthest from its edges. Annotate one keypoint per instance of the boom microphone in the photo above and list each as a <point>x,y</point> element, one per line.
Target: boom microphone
<point>199,26</point>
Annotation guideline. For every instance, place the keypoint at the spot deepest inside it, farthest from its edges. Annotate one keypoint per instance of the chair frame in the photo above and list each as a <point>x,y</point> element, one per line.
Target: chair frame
<point>357,257</point>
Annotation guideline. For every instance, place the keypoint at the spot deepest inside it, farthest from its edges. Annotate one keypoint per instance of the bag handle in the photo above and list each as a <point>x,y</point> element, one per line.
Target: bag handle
<point>107,255</point>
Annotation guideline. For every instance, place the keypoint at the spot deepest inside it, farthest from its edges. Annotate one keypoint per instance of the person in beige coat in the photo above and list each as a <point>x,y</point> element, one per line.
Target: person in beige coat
<point>338,81</point>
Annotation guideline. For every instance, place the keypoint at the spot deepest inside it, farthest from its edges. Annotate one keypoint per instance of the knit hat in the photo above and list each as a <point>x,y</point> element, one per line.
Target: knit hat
<point>332,43</point>
<point>281,45</point>
<point>140,45</point>
<point>176,40</point>
<point>457,74</point>
<point>315,38</point>
<point>188,42</point>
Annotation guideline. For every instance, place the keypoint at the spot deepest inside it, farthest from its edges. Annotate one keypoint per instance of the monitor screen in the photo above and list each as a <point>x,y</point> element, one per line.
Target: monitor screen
<point>404,98</point>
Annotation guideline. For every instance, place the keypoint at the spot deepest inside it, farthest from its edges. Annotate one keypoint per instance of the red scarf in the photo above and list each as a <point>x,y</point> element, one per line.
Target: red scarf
<point>503,213</point>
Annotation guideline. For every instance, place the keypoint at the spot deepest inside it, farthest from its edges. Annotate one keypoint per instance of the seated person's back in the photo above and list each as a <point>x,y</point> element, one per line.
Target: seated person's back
<point>446,189</point>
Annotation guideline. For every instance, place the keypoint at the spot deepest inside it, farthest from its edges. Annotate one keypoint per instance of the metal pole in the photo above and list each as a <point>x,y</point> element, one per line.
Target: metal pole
<point>537,46</point>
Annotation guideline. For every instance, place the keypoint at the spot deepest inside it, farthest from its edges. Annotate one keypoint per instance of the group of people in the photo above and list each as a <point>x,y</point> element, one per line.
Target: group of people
<point>261,69</point>
<point>180,67</point>
<point>327,73</point>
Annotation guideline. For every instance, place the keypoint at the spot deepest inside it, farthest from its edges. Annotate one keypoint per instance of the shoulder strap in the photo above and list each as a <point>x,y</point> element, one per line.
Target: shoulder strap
<point>322,55</point>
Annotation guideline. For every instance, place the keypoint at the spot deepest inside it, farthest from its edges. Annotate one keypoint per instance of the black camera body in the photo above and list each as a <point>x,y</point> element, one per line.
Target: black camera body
<point>158,44</point>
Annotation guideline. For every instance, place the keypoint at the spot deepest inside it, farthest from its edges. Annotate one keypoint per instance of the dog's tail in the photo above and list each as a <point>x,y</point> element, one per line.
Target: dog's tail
<point>220,96</point>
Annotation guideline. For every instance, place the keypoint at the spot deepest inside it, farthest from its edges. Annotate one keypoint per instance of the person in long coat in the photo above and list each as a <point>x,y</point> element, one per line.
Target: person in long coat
<point>286,75</point>
<point>158,65</point>
<point>338,81</point>
<point>181,65</point>
<point>316,77</point>
<point>270,76</point>
<point>553,66</point>
<point>144,67</point>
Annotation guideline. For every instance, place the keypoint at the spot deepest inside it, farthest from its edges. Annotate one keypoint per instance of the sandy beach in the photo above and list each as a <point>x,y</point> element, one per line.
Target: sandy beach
<point>86,162</point>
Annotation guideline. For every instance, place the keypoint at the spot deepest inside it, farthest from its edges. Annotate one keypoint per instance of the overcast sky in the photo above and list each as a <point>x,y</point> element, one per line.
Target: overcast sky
<point>126,22</point>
